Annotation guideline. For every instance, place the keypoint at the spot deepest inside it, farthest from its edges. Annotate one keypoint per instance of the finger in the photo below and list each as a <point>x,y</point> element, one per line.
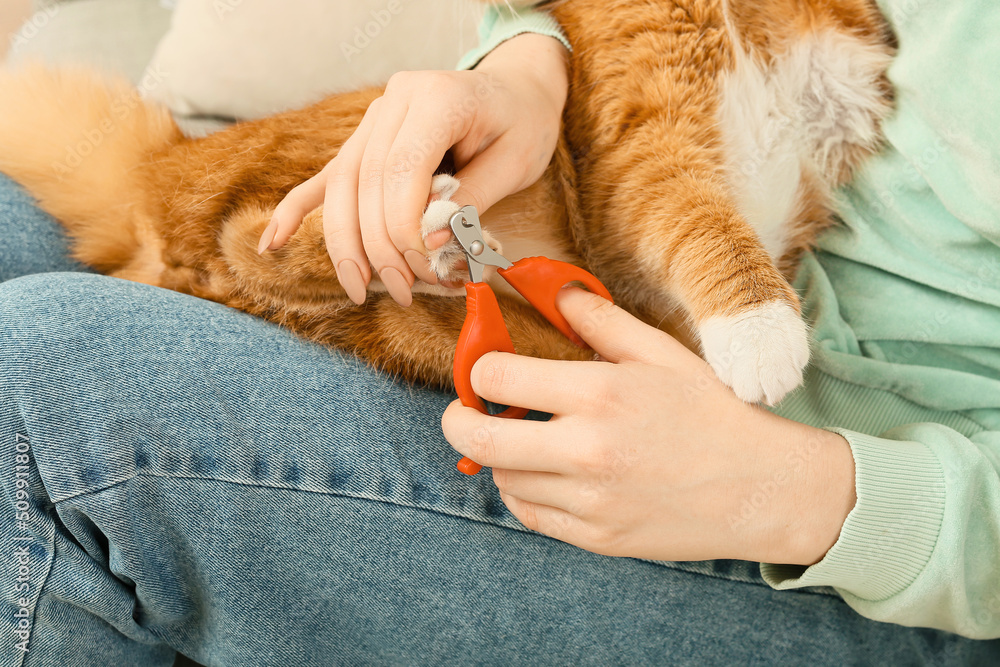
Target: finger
<point>492,175</point>
<point>341,228</point>
<point>392,268</point>
<point>615,334</point>
<point>550,521</point>
<point>288,214</point>
<point>435,240</point>
<point>416,152</point>
<point>545,385</point>
<point>504,443</point>
<point>541,488</point>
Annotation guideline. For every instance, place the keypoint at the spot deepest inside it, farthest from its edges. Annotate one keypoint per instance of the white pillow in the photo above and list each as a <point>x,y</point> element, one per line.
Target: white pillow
<point>252,58</point>
<point>114,35</point>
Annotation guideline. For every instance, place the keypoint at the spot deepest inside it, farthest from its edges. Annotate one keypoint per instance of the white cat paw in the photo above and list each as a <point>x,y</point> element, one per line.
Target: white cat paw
<point>447,262</point>
<point>760,353</point>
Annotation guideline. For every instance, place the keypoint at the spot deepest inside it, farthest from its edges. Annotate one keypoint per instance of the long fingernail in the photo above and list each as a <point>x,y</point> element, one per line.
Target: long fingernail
<point>396,284</point>
<point>267,237</point>
<point>352,281</point>
<point>419,265</point>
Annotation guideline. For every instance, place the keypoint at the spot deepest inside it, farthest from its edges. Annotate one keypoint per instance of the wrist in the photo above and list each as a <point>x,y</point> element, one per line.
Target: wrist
<point>540,60</point>
<point>812,504</point>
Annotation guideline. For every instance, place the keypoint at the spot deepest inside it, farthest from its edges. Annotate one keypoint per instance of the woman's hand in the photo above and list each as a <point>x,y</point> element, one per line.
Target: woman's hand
<point>501,121</point>
<point>651,456</point>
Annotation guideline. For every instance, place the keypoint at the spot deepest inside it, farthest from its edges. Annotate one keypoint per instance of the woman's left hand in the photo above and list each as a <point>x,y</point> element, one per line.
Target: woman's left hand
<point>650,455</point>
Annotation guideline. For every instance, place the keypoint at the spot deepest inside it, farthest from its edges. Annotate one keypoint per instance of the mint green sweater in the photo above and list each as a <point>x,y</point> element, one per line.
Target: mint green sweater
<point>904,300</point>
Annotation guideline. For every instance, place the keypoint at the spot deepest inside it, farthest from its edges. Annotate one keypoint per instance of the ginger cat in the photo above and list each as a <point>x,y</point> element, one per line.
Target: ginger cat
<point>701,141</point>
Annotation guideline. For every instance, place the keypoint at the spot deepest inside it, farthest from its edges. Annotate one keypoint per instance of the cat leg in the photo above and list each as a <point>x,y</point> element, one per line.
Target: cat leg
<point>747,317</point>
<point>692,249</point>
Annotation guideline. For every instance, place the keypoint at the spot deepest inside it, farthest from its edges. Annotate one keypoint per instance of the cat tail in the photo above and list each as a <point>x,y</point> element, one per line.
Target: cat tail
<point>74,138</point>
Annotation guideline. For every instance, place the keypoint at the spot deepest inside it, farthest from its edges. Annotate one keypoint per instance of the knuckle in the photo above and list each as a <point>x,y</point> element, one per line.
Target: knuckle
<point>401,166</point>
<point>375,104</point>
<point>429,85</point>
<point>603,311</point>
<point>438,81</point>
<point>494,377</point>
<point>595,462</point>
<point>372,174</point>
<point>483,445</point>
<point>588,461</point>
<point>398,81</point>
<point>605,540</point>
<point>587,500</point>
<point>601,395</point>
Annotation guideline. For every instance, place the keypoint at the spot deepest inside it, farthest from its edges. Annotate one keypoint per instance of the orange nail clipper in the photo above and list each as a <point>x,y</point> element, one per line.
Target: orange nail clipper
<point>537,279</point>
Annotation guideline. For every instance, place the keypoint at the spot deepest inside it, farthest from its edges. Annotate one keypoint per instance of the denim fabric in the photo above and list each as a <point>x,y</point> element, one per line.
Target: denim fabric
<point>194,479</point>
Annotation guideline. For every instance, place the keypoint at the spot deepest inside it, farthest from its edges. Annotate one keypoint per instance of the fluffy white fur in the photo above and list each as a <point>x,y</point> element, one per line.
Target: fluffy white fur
<point>798,115</point>
<point>760,353</point>
<point>436,218</point>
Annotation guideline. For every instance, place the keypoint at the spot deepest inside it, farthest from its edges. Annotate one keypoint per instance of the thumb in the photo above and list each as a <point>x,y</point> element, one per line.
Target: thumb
<point>490,176</point>
<point>615,334</point>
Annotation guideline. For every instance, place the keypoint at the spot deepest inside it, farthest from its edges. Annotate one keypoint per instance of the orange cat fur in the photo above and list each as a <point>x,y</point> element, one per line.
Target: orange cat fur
<point>701,141</point>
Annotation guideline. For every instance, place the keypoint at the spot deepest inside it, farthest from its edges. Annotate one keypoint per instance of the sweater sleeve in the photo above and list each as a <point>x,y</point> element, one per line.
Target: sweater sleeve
<point>502,23</point>
<point>920,547</point>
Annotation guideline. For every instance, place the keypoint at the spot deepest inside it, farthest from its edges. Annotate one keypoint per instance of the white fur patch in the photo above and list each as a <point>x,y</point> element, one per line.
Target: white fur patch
<point>436,217</point>
<point>801,114</point>
<point>760,353</point>
<point>446,260</point>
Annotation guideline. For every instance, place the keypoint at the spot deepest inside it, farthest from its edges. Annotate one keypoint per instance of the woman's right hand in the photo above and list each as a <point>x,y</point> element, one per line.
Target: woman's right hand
<point>501,121</point>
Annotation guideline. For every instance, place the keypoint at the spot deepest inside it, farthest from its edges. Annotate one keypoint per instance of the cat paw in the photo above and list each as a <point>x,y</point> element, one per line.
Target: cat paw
<point>447,261</point>
<point>760,353</point>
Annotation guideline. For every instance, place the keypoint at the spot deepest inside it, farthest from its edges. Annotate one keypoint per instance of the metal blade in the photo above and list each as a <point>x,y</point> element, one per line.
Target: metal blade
<point>469,232</point>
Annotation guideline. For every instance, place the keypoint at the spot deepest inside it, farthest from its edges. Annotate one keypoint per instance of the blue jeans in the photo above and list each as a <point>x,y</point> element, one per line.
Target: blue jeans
<point>180,476</point>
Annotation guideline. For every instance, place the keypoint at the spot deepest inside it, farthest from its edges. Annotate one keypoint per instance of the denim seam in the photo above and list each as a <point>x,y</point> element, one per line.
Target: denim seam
<point>97,489</point>
<point>338,494</point>
<point>456,515</point>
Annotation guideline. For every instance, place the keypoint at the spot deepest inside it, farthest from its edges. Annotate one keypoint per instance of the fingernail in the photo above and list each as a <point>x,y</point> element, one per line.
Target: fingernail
<point>419,265</point>
<point>396,284</point>
<point>352,281</point>
<point>435,240</point>
<point>267,237</point>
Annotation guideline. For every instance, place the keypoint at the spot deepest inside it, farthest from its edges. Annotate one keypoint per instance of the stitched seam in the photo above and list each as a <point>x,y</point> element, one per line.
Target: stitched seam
<point>455,515</point>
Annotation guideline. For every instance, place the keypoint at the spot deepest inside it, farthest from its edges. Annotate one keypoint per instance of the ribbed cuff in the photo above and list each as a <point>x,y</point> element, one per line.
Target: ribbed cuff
<point>890,534</point>
<point>502,23</point>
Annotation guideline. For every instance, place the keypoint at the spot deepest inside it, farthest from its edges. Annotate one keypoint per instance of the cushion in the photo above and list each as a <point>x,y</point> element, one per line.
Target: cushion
<point>251,58</point>
<point>115,35</point>
<point>118,36</point>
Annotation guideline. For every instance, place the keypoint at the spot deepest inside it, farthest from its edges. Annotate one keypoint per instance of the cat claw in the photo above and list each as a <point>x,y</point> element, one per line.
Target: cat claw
<point>761,353</point>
